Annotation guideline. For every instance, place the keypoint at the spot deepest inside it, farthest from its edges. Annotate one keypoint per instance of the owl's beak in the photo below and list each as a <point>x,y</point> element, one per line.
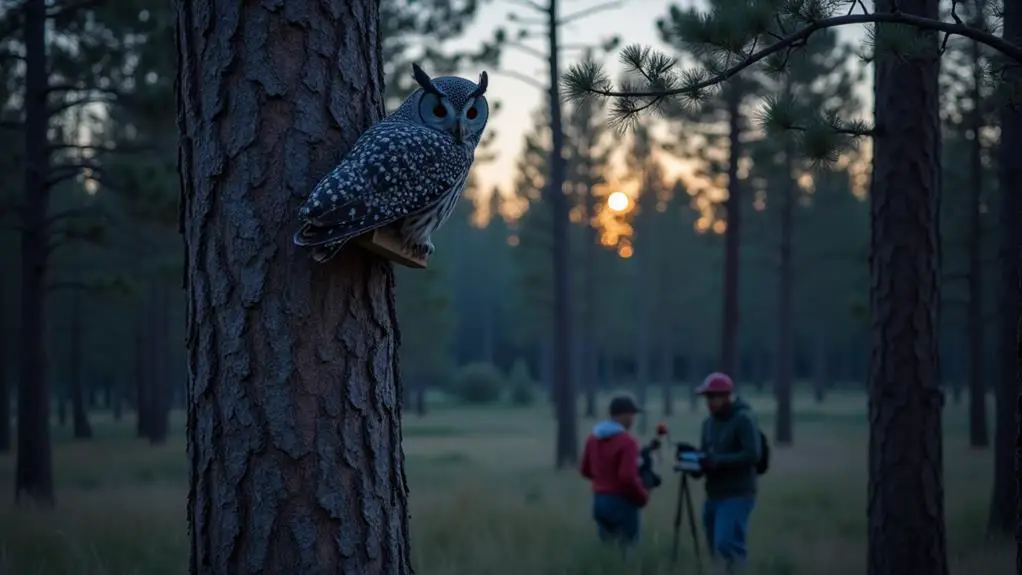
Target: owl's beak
<point>461,133</point>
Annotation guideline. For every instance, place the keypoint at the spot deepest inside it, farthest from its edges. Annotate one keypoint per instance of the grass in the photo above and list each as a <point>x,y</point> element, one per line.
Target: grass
<point>485,500</point>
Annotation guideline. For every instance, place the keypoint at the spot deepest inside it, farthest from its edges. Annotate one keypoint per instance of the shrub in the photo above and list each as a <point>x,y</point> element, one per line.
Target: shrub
<point>523,388</point>
<point>478,383</point>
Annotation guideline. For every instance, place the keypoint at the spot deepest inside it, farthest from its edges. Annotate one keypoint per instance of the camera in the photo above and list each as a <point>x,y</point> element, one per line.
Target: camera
<point>686,458</point>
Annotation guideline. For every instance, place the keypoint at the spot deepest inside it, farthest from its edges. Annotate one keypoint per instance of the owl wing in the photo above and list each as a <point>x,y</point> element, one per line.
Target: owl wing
<point>395,170</point>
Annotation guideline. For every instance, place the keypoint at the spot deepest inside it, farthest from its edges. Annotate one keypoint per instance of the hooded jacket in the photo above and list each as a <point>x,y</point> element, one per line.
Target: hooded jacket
<point>611,463</point>
<point>730,438</point>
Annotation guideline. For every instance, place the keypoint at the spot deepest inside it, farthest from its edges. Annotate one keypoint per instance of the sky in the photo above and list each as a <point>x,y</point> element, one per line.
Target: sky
<point>635,22</point>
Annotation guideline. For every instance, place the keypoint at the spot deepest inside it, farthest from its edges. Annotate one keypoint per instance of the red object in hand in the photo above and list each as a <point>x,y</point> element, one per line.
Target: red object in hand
<point>706,464</point>
<point>661,428</point>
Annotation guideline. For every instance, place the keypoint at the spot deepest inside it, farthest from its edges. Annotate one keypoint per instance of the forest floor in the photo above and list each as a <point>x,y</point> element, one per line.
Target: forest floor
<point>484,499</point>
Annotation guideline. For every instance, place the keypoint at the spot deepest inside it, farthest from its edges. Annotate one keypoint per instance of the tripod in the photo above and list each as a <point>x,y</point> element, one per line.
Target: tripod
<point>685,500</point>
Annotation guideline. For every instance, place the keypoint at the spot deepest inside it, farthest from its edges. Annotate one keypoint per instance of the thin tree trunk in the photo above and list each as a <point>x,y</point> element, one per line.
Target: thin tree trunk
<point>5,390</point>
<point>1005,514</point>
<point>546,370</point>
<point>79,414</point>
<point>420,397</point>
<point>821,379</point>
<point>906,471</point>
<point>34,463</point>
<point>732,238</point>
<point>61,398</point>
<point>643,260</point>
<point>489,331</point>
<point>588,331</point>
<point>667,371</point>
<point>158,388</point>
<point>567,427</point>
<point>294,433</point>
<point>978,436</point>
<point>117,400</point>
<point>143,373</point>
<point>783,434</point>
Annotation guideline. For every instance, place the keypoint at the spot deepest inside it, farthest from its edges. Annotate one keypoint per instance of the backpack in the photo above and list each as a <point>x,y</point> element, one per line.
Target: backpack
<point>764,454</point>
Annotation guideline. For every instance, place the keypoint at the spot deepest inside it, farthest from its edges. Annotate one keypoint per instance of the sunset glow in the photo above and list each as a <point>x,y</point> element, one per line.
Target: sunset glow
<point>618,201</point>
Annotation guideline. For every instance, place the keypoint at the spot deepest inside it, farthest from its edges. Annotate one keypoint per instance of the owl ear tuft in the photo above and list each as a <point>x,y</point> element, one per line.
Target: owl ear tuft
<point>484,80</point>
<point>423,80</point>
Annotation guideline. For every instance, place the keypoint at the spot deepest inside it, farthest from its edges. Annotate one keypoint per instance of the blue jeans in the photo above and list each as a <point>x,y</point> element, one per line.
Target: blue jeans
<point>726,522</point>
<point>617,518</point>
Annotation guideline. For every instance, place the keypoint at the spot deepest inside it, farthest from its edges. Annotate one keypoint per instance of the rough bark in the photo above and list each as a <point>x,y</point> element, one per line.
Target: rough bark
<point>783,433</point>
<point>566,444</point>
<point>906,481</point>
<point>79,414</point>
<point>34,464</point>
<point>1004,500</point>
<point>732,238</point>
<point>294,434</point>
<point>978,436</point>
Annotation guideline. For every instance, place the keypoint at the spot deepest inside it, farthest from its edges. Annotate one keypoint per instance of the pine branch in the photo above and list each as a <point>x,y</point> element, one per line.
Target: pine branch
<point>587,79</point>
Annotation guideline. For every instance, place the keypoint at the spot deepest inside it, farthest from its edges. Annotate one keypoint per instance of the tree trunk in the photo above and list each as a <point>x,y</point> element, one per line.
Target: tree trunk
<point>821,379</point>
<point>489,342</point>
<point>420,398</point>
<point>5,390</point>
<point>588,331</point>
<point>783,434</point>
<point>79,413</point>
<point>143,374</point>
<point>732,237</point>
<point>34,464</point>
<point>667,371</point>
<point>117,400</point>
<point>159,374</point>
<point>643,259</point>
<point>1004,505</point>
<point>294,415</point>
<point>906,474</point>
<point>567,427</point>
<point>978,436</point>
<point>61,398</point>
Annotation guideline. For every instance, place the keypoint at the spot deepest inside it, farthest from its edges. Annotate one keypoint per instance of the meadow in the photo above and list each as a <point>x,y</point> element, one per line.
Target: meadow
<point>485,499</point>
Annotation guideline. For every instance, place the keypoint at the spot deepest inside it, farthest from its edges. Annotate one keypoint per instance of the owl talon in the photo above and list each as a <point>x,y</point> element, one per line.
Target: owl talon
<point>421,251</point>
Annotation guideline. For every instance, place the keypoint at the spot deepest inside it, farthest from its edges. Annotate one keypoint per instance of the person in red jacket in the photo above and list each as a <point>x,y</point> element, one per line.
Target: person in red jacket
<point>611,463</point>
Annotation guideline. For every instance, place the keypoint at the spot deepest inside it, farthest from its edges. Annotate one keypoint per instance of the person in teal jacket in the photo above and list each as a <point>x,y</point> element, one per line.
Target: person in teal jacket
<point>731,444</point>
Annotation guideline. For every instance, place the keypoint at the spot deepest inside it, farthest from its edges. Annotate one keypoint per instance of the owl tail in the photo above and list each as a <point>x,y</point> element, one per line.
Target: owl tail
<point>325,242</point>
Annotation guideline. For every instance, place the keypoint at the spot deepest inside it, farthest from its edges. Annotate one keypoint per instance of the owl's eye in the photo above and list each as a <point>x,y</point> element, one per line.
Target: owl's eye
<point>472,113</point>
<point>439,111</point>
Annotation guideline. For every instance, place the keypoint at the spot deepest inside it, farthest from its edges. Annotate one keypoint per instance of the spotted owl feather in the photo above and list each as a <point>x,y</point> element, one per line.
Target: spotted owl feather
<point>395,169</point>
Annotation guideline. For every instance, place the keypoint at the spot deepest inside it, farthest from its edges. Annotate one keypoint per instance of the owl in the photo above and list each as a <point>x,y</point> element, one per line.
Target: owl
<point>408,171</point>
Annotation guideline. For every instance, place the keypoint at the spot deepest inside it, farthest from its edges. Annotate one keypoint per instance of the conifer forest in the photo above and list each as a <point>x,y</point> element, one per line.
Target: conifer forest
<point>207,367</point>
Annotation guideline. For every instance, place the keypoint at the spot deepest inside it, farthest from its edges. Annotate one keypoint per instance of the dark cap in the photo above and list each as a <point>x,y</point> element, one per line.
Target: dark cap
<point>623,404</point>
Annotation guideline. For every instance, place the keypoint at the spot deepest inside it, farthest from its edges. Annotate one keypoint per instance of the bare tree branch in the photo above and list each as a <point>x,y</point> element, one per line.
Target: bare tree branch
<point>586,12</point>
<point>523,78</point>
<point>531,5</point>
<point>538,54</point>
